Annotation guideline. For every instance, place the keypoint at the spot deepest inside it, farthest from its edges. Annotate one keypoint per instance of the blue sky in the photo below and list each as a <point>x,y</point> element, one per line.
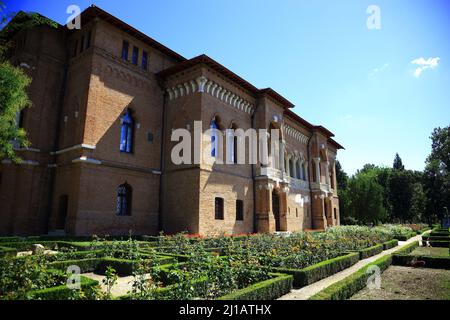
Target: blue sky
<point>359,83</point>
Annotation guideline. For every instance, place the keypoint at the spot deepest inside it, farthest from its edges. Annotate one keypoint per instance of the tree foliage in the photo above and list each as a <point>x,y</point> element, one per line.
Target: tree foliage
<point>396,194</point>
<point>14,82</point>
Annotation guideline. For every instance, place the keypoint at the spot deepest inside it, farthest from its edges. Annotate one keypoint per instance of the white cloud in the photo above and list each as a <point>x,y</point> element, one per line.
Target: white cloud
<point>424,64</point>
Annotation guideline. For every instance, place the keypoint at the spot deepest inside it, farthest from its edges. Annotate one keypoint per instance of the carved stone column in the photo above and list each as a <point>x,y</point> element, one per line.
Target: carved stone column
<point>282,149</point>
<point>327,173</point>
<point>317,168</point>
<point>294,167</point>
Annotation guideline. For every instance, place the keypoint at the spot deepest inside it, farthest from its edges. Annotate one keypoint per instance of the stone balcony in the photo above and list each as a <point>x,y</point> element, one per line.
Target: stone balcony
<point>298,183</point>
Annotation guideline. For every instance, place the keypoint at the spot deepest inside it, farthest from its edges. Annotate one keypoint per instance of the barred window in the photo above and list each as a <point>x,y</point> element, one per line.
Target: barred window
<point>124,193</point>
<point>218,208</point>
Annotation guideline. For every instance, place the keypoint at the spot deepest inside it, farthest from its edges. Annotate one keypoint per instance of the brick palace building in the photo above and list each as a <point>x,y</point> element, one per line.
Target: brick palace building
<point>105,101</point>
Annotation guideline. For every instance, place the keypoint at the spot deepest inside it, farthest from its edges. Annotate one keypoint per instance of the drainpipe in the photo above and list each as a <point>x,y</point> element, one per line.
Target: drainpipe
<point>162,159</point>
<point>309,182</point>
<point>254,171</point>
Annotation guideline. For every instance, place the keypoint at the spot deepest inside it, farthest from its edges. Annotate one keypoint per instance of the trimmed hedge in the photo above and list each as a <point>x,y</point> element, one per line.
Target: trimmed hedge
<point>406,237</point>
<point>436,238</point>
<point>347,287</point>
<point>350,285</point>
<point>371,251</point>
<point>390,244</point>
<point>430,261</point>
<point>437,243</point>
<point>62,292</point>
<point>123,267</point>
<point>270,289</point>
<point>408,248</point>
<point>7,252</point>
<point>199,287</point>
<point>321,270</point>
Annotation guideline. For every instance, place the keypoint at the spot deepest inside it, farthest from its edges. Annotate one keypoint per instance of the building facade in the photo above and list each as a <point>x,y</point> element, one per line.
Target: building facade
<point>106,100</point>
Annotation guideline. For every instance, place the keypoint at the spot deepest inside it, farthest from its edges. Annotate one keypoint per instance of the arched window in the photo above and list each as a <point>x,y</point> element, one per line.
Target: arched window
<point>124,196</point>
<point>298,169</point>
<point>304,170</point>
<point>214,139</point>
<point>126,132</point>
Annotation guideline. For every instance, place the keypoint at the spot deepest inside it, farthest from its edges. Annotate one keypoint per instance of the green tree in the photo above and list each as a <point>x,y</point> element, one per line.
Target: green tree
<point>366,197</point>
<point>342,186</point>
<point>400,193</point>
<point>398,164</point>
<point>436,178</point>
<point>418,203</point>
<point>14,82</point>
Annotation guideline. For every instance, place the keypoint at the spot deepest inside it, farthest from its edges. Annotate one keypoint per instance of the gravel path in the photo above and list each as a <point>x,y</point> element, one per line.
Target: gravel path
<point>120,288</point>
<point>306,292</point>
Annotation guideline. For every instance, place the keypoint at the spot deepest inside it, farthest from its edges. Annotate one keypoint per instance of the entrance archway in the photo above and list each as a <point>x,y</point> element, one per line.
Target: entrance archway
<point>276,210</point>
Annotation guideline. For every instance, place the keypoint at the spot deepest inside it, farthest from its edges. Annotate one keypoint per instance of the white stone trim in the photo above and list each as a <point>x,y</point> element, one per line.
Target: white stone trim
<point>24,162</point>
<point>27,149</point>
<point>205,85</point>
<point>294,133</point>
<point>86,160</point>
<point>78,146</point>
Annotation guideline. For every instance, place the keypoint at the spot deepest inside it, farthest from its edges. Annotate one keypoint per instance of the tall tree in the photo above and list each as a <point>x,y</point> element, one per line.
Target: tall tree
<point>398,164</point>
<point>342,183</point>
<point>366,198</point>
<point>14,83</point>
<point>437,175</point>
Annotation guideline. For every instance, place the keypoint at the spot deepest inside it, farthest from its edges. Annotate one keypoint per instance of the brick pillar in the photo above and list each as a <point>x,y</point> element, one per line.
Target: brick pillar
<point>264,217</point>
<point>319,221</point>
<point>283,195</point>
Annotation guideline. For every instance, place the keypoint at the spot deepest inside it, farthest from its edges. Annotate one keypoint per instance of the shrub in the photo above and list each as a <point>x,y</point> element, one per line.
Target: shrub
<point>430,262</point>
<point>350,285</point>
<point>321,270</point>
<point>347,287</point>
<point>390,244</point>
<point>270,289</point>
<point>371,251</point>
<point>5,251</point>
<point>88,291</point>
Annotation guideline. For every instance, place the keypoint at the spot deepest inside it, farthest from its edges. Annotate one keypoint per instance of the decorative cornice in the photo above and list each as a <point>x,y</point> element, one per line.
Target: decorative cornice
<point>294,133</point>
<point>87,160</point>
<point>78,146</point>
<point>205,85</point>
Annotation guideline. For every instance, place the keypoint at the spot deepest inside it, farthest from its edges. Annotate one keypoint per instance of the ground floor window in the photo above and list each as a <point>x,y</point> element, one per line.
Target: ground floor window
<point>239,210</point>
<point>218,208</point>
<point>124,194</point>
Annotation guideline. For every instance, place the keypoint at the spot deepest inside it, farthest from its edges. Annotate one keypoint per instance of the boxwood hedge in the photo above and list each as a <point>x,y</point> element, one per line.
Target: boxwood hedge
<point>371,251</point>
<point>321,270</point>
<point>62,292</point>
<point>350,285</point>
<point>390,244</point>
<point>270,289</point>
<point>430,262</point>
